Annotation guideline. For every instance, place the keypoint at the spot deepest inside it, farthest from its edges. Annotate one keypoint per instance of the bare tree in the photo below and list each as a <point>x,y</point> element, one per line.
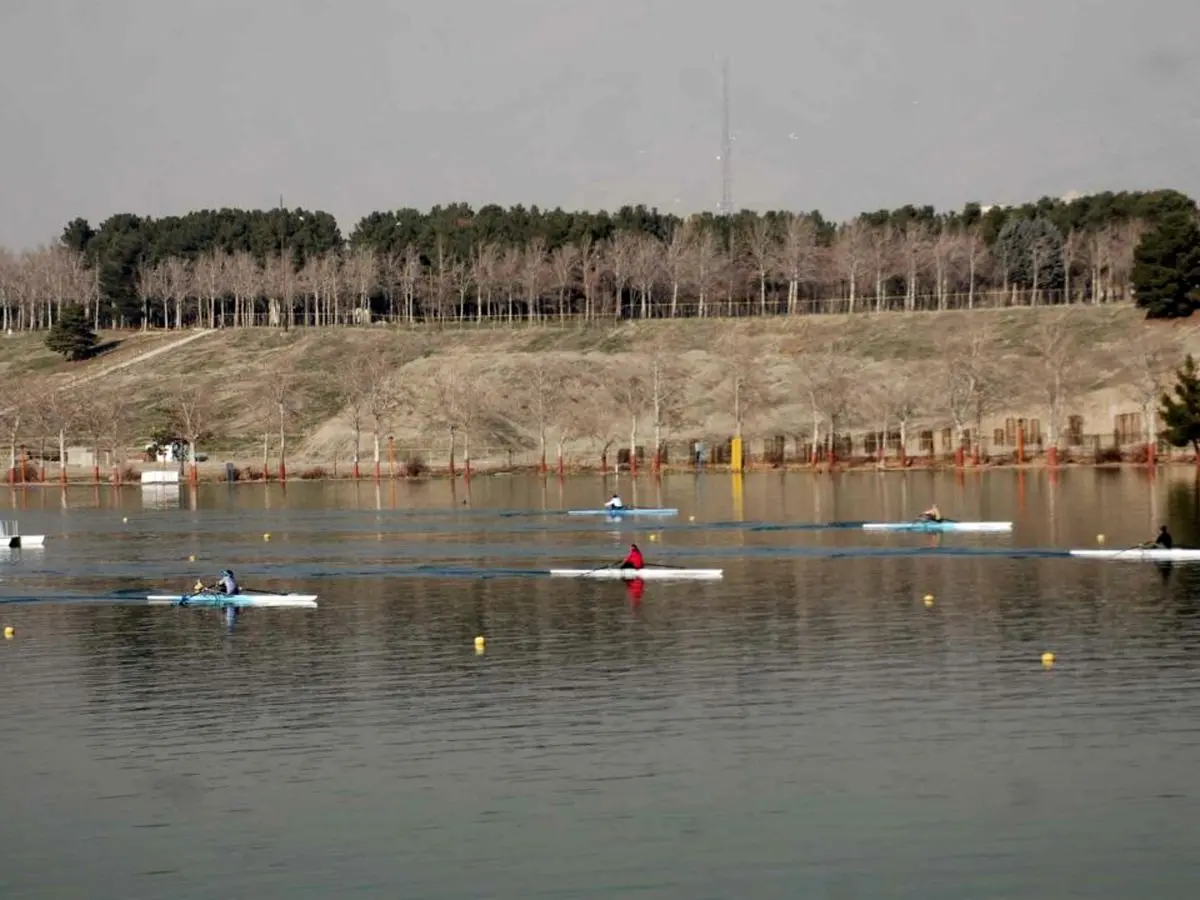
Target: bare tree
<point>627,387</point>
<point>281,403</point>
<point>677,261</point>
<point>539,380</point>
<point>1147,375</point>
<point>194,409</point>
<point>62,414</point>
<point>882,252</point>
<point>1057,375</point>
<point>355,383</point>
<point>116,413</point>
<point>849,258</point>
<point>894,395</point>
<point>564,265</point>
<point>969,382</point>
<point>828,378</point>
<point>761,248</point>
<point>460,401</point>
<point>747,377</point>
<point>665,383</point>
<point>534,273</point>
<point>798,257</point>
<point>12,420</point>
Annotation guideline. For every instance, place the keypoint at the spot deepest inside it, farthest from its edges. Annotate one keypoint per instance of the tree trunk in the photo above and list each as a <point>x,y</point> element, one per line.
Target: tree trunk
<point>633,446</point>
<point>375,443</point>
<point>357,445</point>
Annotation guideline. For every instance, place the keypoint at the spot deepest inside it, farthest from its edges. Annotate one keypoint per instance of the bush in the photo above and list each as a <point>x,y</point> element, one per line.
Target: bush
<point>250,473</point>
<point>1109,455</point>
<point>316,473</point>
<point>72,334</point>
<point>414,466</point>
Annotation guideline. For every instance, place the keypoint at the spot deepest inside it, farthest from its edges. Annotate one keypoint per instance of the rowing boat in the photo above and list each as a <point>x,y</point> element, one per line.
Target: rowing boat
<point>1143,554</point>
<point>648,574</point>
<point>923,526</point>
<point>214,600</point>
<point>623,511</point>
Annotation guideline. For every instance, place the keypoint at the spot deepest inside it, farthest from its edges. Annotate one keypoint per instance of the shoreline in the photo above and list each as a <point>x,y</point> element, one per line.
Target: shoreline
<point>317,474</point>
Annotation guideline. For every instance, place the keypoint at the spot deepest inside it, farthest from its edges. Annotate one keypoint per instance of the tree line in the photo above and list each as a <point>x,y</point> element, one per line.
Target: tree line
<point>293,268</point>
<point>553,403</point>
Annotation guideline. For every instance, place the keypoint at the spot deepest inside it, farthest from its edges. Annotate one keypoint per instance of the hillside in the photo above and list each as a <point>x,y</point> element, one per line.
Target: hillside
<point>240,369</point>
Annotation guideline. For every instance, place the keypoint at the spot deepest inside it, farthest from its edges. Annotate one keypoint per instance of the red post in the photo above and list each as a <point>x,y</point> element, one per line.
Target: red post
<point>959,457</point>
<point>1151,454</point>
<point>1052,456</point>
<point>1020,445</point>
<point>282,470</point>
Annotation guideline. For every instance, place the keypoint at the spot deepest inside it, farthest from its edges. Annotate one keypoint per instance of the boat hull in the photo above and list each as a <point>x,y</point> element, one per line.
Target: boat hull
<point>622,512</point>
<point>973,527</point>
<point>248,600</point>
<point>648,574</point>
<point>1142,554</point>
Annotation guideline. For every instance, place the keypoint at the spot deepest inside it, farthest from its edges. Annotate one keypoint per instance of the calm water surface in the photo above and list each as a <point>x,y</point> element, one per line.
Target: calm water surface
<point>807,727</point>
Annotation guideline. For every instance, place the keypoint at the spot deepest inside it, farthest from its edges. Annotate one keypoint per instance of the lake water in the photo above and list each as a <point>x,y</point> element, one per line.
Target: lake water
<point>807,727</point>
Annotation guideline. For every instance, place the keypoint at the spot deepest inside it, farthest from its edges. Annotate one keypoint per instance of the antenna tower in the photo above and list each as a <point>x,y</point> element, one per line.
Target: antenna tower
<point>726,144</point>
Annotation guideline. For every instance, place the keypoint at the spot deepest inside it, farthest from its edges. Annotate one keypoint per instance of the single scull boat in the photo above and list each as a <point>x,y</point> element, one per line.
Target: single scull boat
<point>647,574</point>
<point>1143,554</point>
<point>944,525</point>
<point>214,600</point>
<point>623,511</point>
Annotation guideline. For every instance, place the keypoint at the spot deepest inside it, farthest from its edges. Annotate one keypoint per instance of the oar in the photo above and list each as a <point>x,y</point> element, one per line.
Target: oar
<point>601,568</point>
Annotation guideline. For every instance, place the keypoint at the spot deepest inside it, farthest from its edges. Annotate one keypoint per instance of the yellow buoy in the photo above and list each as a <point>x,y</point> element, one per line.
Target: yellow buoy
<point>267,536</point>
<point>480,643</point>
<point>126,519</point>
<point>192,558</point>
<point>653,538</point>
<point>9,631</point>
<point>928,601</point>
<point>1099,539</point>
<point>691,518</point>
<point>1047,659</point>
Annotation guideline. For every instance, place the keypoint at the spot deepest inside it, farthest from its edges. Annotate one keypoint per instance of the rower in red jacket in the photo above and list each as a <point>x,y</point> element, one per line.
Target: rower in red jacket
<point>634,560</point>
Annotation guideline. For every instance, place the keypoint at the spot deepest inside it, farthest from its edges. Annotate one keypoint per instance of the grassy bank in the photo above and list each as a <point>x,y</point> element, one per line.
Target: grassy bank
<point>246,372</point>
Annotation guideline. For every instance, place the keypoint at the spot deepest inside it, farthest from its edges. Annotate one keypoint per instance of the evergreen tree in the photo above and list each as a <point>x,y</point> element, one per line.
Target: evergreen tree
<point>1166,267</point>
<point>72,335</point>
<point>1181,413</point>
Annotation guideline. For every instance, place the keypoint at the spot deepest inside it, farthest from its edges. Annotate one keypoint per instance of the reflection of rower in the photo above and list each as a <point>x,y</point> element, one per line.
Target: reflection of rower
<point>933,514</point>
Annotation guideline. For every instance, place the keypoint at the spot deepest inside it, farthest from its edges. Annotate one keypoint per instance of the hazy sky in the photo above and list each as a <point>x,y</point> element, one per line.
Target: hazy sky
<point>162,106</point>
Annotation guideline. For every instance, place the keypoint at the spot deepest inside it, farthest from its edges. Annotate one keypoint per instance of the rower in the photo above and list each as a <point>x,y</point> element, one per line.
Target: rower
<point>933,514</point>
<point>1164,539</point>
<point>634,560</point>
<point>614,503</point>
<point>228,584</point>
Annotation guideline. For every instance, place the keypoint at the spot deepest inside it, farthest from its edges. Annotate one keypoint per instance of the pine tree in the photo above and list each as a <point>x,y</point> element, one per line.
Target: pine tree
<point>72,335</point>
<point>1166,268</point>
<point>1181,414</point>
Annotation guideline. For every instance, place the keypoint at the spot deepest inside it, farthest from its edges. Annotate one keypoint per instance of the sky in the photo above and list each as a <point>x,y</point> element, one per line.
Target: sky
<point>158,107</point>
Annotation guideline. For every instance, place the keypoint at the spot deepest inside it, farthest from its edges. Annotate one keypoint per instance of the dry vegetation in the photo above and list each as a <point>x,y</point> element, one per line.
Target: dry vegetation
<point>568,394</point>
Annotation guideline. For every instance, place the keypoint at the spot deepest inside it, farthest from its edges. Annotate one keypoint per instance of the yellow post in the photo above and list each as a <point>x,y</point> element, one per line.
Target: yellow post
<point>739,497</point>
<point>735,454</point>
